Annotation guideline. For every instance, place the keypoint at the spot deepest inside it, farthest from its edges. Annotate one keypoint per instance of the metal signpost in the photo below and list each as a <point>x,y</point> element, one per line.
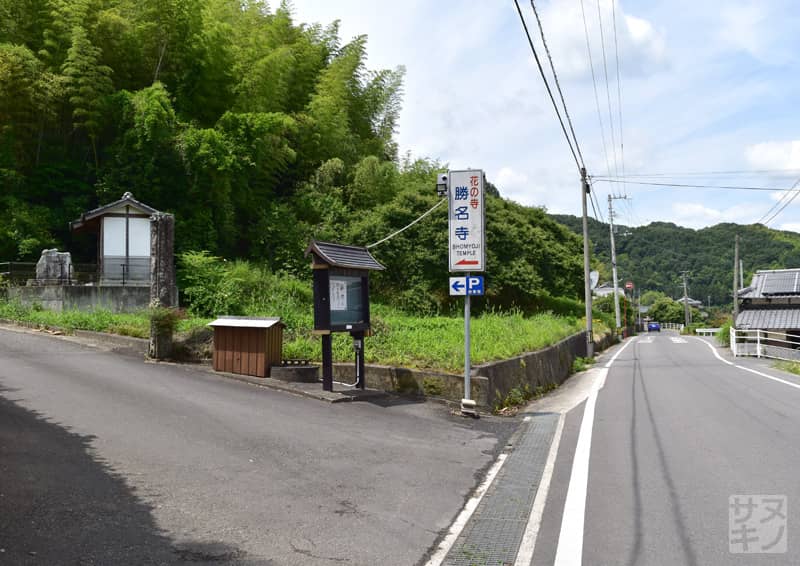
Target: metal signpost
<point>467,252</point>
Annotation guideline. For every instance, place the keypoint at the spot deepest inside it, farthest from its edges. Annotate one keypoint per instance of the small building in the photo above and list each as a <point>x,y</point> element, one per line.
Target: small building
<point>607,289</point>
<point>692,302</point>
<point>772,302</point>
<point>123,240</point>
<point>247,346</point>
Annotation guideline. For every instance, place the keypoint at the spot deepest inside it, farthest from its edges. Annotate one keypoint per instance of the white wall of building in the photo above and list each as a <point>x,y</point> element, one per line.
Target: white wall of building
<point>114,237</point>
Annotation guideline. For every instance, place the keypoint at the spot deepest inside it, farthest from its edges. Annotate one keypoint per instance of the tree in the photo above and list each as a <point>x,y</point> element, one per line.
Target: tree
<point>88,84</point>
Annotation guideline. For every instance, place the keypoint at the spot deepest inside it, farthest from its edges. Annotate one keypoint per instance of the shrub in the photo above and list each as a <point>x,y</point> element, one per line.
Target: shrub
<point>581,364</point>
<point>724,334</point>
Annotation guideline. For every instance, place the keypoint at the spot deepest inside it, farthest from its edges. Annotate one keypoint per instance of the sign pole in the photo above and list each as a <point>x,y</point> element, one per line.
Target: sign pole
<point>467,364</point>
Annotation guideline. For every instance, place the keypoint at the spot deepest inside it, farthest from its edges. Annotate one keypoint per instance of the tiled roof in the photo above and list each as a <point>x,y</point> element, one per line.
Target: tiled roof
<point>127,199</point>
<point>772,283</point>
<point>769,318</point>
<point>349,257</point>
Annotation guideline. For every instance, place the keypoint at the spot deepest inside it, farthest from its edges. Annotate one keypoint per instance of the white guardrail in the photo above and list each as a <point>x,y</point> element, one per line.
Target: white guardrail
<point>671,326</point>
<point>765,344</point>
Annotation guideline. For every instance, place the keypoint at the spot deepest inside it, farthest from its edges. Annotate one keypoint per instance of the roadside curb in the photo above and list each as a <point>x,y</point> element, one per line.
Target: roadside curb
<point>309,390</point>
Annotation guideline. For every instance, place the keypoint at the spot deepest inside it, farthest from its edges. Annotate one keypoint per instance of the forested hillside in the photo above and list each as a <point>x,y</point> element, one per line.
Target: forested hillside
<point>256,131</point>
<point>653,256</point>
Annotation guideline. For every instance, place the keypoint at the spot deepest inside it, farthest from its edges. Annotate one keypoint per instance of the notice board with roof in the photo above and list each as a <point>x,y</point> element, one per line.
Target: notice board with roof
<point>341,300</point>
<point>247,346</point>
<point>341,286</point>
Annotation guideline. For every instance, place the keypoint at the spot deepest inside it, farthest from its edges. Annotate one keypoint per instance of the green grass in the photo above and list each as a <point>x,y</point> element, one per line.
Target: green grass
<point>791,367</point>
<point>400,339</point>
<point>125,324</point>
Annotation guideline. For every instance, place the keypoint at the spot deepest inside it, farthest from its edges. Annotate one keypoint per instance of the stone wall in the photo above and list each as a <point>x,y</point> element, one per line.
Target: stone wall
<point>550,366</point>
<point>490,382</point>
<point>406,381</point>
<point>59,298</point>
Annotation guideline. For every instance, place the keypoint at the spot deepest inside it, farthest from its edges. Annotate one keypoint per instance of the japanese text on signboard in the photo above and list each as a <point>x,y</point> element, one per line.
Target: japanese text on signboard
<point>466,240</point>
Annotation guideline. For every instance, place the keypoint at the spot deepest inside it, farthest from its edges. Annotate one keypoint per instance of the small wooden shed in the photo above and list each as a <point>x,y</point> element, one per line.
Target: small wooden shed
<point>247,346</point>
<point>123,240</point>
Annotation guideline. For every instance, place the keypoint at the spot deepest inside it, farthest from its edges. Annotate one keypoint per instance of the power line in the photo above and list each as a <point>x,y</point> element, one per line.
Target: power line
<point>558,84</point>
<point>619,91</point>
<point>787,203</point>
<point>546,84</point>
<point>777,204</point>
<point>406,227</point>
<point>594,202</point>
<point>786,172</point>
<point>594,85</point>
<point>688,186</point>
<point>608,92</point>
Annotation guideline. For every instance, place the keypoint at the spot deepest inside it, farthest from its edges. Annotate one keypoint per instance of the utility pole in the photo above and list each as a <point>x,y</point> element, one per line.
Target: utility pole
<point>614,257</point>
<point>741,273</point>
<point>686,311</point>
<point>736,281</point>
<point>587,286</point>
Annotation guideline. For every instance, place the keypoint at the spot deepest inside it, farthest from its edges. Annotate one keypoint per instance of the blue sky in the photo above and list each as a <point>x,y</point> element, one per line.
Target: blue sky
<point>706,86</point>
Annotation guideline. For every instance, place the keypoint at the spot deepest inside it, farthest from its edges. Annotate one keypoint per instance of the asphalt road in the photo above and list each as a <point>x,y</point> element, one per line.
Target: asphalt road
<point>105,459</point>
<point>676,434</point>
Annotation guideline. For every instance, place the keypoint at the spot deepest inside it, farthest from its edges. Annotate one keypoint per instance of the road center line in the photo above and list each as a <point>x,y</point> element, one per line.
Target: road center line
<point>570,540</point>
<point>461,521</point>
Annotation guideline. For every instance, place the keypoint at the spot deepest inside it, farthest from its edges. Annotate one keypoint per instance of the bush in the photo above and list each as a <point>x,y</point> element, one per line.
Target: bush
<point>724,334</point>
<point>581,364</point>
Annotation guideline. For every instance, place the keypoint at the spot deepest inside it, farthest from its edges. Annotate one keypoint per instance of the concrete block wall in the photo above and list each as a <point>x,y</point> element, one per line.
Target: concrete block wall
<point>490,382</point>
<point>60,298</point>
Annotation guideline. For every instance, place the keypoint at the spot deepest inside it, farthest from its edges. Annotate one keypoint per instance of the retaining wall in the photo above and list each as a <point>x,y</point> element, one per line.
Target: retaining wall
<point>115,298</point>
<point>490,382</point>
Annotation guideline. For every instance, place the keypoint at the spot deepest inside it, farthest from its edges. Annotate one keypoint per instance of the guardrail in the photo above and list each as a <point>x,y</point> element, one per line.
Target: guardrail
<point>671,326</point>
<point>706,331</point>
<point>765,344</point>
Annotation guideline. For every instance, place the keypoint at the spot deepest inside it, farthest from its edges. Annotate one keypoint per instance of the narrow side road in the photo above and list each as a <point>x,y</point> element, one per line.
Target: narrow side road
<point>157,464</point>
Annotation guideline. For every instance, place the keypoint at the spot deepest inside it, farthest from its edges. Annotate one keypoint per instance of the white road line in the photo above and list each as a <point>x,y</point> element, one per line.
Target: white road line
<point>678,340</point>
<point>570,539</point>
<point>773,378</point>
<point>461,521</point>
<point>526,548</point>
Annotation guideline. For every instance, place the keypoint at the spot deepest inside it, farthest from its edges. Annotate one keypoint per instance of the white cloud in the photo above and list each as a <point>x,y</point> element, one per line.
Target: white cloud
<point>641,45</point>
<point>697,215</point>
<point>774,155</point>
<point>791,226</point>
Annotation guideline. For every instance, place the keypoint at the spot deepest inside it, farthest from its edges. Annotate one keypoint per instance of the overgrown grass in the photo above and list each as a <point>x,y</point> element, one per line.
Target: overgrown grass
<point>791,367</point>
<point>212,286</point>
<point>125,324</point>
<point>399,339</point>
<point>438,341</point>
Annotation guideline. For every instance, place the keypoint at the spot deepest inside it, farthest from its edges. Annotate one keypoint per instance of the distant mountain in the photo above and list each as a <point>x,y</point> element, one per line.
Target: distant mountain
<point>653,256</point>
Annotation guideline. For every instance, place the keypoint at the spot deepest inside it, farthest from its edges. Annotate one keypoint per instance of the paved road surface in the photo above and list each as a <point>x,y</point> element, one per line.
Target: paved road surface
<point>108,460</point>
<point>676,433</point>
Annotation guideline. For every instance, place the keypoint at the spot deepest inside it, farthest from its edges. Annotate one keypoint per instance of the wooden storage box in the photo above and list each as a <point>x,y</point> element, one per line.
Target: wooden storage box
<point>247,346</point>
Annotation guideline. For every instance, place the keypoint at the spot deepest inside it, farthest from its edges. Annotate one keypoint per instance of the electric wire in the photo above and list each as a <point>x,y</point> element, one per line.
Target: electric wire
<point>786,172</point>
<point>558,84</point>
<point>608,92</point>
<point>546,84</point>
<point>594,85</point>
<point>777,204</point>
<point>594,209</point>
<point>690,186</point>
<point>602,218</point>
<point>393,234</point>
<point>619,93</point>
<point>787,203</point>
